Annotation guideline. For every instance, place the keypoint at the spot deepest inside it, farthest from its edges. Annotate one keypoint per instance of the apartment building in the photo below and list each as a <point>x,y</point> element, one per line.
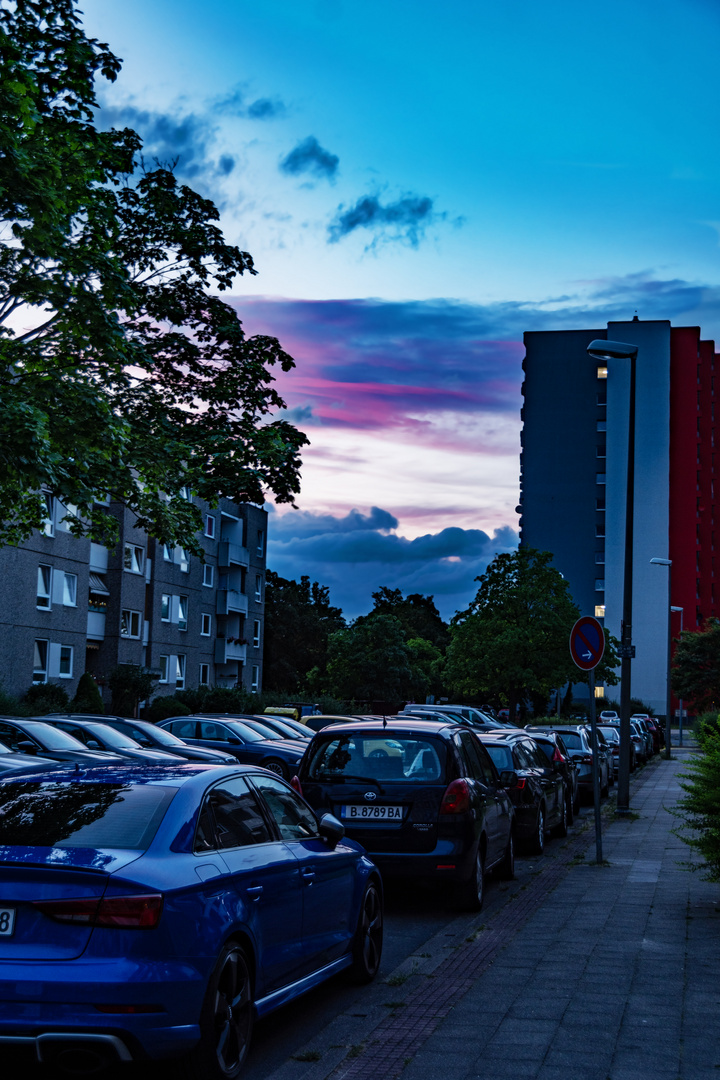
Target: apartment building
<point>573,478</point>
<point>68,605</point>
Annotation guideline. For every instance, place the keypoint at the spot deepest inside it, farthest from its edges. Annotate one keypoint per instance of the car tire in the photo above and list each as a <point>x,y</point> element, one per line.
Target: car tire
<point>561,829</point>
<point>273,765</point>
<point>471,893</point>
<point>506,866</point>
<point>226,1019</point>
<point>537,842</point>
<point>367,947</point>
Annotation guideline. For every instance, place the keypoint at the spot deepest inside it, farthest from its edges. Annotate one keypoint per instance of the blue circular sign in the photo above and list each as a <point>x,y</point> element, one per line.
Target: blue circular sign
<point>587,643</point>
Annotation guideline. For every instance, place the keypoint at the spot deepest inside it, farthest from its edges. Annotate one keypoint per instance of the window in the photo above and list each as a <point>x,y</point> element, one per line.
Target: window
<point>600,478</point>
<point>600,504</point>
<point>260,542</point>
<point>130,624</point>
<point>70,590</point>
<point>205,624</point>
<point>600,557</point>
<point>256,634</point>
<point>48,528</point>
<point>255,679</point>
<point>294,819</point>
<point>599,584</point>
<point>601,425</point>
<point>180,675</point>
<point>258,589</point>
<point>133,559</point>
<point>70,514</point>
<point>182,612</point>
<point>601,450</point>
<point>602,372</point>
<point>600,530</point>
<point>599,611</point>
<point>163,666</point>
<point>167,553</point>
<point>204,675</point>
<point>208,575</point>
<point>165,607</point>
<point>599,691</point>
<point>66,662</point>
<point>210,526</point>
<point>184,560</point>
<point>185,493</point>
<point>231,818</point>
<point>40,662</point>
<point>44,583</point>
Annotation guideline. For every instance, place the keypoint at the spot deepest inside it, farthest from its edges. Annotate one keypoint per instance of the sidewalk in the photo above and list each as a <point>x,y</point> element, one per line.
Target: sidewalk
<point>614,977</point>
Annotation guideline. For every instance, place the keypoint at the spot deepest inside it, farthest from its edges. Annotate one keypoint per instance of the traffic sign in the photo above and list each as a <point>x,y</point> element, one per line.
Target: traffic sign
<point>587,643</point>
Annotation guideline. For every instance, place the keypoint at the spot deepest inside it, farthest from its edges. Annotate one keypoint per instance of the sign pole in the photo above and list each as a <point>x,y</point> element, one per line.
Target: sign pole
<point>595,769</point>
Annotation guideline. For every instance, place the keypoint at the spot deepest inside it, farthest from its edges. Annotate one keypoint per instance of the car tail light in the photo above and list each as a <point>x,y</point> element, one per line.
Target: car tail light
<point>586,759</point>
<point>126,912</point>
<point>557,756</point>
<point>296,785</point>
<point>522,781</point>
<point>456,799</point>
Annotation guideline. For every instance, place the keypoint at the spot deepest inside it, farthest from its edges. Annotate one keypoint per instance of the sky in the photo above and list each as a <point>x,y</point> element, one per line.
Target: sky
<point>418,183</point>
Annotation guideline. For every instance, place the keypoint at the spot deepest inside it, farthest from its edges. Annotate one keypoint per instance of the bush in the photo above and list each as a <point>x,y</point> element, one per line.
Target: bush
<point>219,699</point>
<point>707,726</point>
<point>88,698</point>
<point>163,707</point>
<point>43,698</point>
<point>700,806</point>
<point>129,684</point>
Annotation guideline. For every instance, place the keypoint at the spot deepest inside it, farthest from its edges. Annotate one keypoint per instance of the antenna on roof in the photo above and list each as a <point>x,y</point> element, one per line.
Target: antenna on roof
<point>635,316</point>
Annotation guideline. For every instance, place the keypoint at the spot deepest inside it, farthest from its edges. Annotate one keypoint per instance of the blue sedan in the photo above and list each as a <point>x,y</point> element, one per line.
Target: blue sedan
<point>153,912</point>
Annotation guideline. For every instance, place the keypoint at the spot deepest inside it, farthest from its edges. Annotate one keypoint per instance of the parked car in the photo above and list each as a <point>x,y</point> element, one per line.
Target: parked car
<point>577,741</point>
<point>539,797</point>
<point>158,913</point>
<point>557,754</point>
<point>608,716</point>
<point>150,735</point>
<point>658,732</point>
<point>37,737</point>
<point>318,721</point>
<point>643,722</point>
<point>472,716</point>
<point>436,810</point>
<point>236,738</point>
<point>612,737</point>
<point>637,739</point>
<point>104,737</point>
<point>287,722</point>
<point>12,762</point>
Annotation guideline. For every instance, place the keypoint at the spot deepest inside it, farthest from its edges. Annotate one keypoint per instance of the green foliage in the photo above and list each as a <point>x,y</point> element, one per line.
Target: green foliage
<point>511,644</point>
<point>371,661</point>
<point>9,705</point>
<point>299,620</point>
<point>130,684</point>
<point>218,699</point>
<point>699,808</point>
<point>43,698</point>
<point>162,707</point>
<point>418,614</point>
<point>707,726</point>
<point>88,698</point>
<point>121,369</point>
<point>696,667</point>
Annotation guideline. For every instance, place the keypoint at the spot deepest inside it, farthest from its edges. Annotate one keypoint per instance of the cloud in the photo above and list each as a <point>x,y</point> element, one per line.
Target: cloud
<point>404,220</point>
<point>357,553</point>
<point>236,104</point>
<point>310,157</point>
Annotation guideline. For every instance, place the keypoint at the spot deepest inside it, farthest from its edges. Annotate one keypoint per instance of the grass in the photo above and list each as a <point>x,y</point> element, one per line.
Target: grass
<point>396,980</point>
<point>307,1055</point>
<point>356,1050</point>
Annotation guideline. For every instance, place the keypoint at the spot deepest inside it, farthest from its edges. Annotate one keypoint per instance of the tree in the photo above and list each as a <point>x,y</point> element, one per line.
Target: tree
<point>87,696</point>
<point>122,372</point>
<point>371,661</point>
<point>129,685</point>
<point>299,619</point>
<point>417,613</point>
<point>696,666</point>
<point>699,808</point>
<point>512,642</point>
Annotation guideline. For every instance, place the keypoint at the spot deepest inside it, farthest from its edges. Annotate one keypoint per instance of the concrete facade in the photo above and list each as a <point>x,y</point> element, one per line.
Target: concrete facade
<point>68,605</point>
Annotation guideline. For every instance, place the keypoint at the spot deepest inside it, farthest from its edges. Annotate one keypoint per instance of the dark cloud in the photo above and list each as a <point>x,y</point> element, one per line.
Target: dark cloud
<point>310,157</point>
<point>406,219</point>
<point>236,104</point>
<point>265,109</point>
<point>357,553</point>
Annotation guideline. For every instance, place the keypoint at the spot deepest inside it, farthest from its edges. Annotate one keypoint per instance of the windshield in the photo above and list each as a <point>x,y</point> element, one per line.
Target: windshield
<point>72,814</point>
<point>242,731</point>
<point>148,734</point>
<point>392,757</point>
<point>106,734</point>
<point>573,739</point>
<point>52,738</point>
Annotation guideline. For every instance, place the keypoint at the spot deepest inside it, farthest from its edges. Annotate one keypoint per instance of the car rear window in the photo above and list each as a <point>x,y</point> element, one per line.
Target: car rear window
<point>501,757</point>
<point>72,814</point>
<point>573,739</point>
<point>378,756</point>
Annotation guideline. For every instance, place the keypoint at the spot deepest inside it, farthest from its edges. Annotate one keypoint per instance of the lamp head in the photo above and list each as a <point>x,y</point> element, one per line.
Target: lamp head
<point>662,562</point>
<point>611,350</point>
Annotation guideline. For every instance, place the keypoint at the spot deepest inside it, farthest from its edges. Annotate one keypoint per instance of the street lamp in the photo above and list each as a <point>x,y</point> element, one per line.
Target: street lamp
<point>668,691</point>
<point>680,702</point>
<point>604,351</point>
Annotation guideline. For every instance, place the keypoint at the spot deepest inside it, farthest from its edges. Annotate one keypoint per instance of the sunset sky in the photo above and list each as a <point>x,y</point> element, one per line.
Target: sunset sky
<point>418,183</point>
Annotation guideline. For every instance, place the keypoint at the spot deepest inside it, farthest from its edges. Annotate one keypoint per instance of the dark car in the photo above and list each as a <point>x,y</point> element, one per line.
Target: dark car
<point>95,735</point>
<point>150,736</point>
<point>556,752</point>
<point>577,741</point>
<point>37,737</point>
<point>271,727</point>
<point>236,738</point>
<point>423,798</point>
<point>12,762</point>
<point>539,796</point>
<point>611,733</point>
<point>152,913</point>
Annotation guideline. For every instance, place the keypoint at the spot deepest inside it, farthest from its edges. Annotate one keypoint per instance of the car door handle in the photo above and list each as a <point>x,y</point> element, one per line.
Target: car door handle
<point>254,892</point>
<point>308,876</point>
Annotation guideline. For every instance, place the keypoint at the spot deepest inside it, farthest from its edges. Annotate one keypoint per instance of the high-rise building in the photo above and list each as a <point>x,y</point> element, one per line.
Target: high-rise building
<point>68,605</point>
<point>574,469</point>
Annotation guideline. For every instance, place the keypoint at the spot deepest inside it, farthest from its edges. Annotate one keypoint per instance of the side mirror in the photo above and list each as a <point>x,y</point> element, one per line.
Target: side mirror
<point>508,779</point>
<point>331,829</point>
<point>93,744</point>
<point>234,741</point>
<point>27,747</point>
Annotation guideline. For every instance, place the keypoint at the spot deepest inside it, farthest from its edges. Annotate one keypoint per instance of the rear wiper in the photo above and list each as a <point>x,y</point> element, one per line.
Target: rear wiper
<point>351,776</point>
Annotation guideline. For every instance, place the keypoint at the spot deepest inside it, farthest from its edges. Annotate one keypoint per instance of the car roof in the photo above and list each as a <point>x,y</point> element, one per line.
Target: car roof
<point>166,775</point>
<point>392,725</point>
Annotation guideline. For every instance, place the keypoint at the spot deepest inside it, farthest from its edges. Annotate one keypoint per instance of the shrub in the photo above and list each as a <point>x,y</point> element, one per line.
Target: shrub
<point>88,698</point>
<point>9,705</point>
<point>699,808</point>
<point>130,684</point>
<point>43,698</point>
<point>162,707</point>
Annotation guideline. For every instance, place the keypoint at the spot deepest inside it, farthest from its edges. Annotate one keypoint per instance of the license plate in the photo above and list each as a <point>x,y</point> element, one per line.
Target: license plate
<point>372,813</point>
<point>7,921</point>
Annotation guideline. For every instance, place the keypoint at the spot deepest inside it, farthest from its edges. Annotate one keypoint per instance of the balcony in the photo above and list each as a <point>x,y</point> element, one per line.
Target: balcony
<point>227,650</point>
<point>232,555</point>
<point>96,626</point>
<point>230,601</point>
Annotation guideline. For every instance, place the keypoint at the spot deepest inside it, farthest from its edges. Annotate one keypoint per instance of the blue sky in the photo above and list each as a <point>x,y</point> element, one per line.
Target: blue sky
<point>418,183</point>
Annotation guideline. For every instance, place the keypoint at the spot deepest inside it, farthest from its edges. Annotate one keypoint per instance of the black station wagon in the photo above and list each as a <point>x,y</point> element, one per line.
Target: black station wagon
<point>423,798</point>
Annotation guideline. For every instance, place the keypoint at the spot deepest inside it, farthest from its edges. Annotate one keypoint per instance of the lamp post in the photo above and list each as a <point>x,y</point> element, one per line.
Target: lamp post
<point>680,702</point>
<point>668,690</point>
<point>604,351</point>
